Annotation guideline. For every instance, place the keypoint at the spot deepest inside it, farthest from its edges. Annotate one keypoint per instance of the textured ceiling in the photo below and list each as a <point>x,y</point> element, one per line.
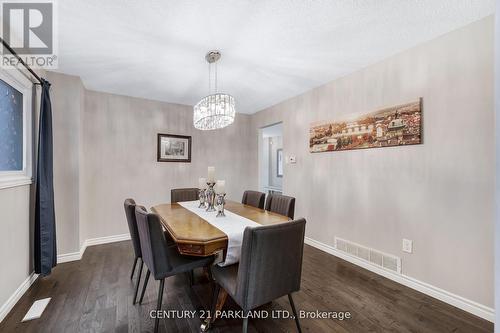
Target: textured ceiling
<point>271,50</point>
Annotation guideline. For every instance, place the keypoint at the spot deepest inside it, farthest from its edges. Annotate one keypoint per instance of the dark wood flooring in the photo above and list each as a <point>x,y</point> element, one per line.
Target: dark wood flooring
<point>95,295</point>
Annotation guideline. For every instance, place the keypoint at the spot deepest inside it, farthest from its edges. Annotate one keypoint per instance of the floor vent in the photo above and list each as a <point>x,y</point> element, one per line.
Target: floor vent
<point>36,309</point>
<point>372,256</point>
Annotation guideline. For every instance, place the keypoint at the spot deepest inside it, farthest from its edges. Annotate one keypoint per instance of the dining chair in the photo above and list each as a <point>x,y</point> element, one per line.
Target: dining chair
<point>183,194</point>
<point>130,205</point>
<point>270,267</point>
<point>254,198</point>
<point>161,260</point>
<point>281,204</point>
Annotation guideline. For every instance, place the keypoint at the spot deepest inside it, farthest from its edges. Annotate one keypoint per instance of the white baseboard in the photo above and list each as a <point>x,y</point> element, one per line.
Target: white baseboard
<point>105,240</point>
<point>67,257</point>
<point>460,302</point>
<point>61,258</point>
<point>14,298</point>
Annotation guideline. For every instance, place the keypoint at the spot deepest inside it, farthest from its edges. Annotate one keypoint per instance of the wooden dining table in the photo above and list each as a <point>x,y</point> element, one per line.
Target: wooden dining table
<point>196,237</point>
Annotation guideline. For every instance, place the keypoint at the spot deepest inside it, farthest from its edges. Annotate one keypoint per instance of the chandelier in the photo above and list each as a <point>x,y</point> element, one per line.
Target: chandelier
<point>217,109</point>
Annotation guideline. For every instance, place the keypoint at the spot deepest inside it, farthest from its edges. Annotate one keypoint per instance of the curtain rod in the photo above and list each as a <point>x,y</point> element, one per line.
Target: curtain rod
<point>7,46</point>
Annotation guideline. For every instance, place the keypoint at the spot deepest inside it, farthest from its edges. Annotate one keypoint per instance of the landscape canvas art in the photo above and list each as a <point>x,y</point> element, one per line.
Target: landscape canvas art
<point>393,126</point>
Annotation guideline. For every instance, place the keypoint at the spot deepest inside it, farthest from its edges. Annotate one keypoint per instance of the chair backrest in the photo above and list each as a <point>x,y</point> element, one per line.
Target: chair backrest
<point>153,243</point>
<point>129,205</point>
<point>281,204</point>
<point>254,198</point>
<point>271,263</point>
<point>183,194</point>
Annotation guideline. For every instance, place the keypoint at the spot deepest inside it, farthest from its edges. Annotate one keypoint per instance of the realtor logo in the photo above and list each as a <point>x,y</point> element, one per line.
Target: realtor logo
<point>28,27</point>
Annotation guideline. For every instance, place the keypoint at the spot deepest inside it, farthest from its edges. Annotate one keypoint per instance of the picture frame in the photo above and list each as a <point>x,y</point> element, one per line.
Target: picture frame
<point>173,148</point>
<point>279,160</point>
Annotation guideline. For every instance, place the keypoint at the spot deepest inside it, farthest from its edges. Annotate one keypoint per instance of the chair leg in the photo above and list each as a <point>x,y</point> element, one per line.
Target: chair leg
<point>245,325</point>
<point>133,268</point>
<point>145,284</point>
<point>215,296</point>
<point>191,277</point>
<point>207,271</point>
<point>158,306</point>
<point>290,299</point>
<point>138,282</point>
<point>205,326</point>
<point>210,276</point>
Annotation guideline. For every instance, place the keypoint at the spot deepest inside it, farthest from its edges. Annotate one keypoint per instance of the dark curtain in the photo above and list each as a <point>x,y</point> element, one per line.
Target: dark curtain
<point>45,221</point>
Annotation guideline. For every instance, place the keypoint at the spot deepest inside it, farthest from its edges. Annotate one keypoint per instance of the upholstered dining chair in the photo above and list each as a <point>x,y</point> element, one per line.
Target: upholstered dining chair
<point>161,260</point>
<point>183,194</point>
<point>254,198</point>
<point>130,205</point>
<point>281,204</point>
<point>270,267</point>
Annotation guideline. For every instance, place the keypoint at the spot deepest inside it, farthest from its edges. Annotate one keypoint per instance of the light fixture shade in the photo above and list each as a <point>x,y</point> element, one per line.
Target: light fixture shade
<point>214,112</point>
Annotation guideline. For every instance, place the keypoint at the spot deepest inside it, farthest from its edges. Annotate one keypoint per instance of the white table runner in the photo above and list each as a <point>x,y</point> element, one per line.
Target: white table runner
<point>232,225</point>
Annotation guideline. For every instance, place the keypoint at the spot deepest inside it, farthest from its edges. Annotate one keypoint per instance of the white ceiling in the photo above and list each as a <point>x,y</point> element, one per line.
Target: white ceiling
<point>271,50</point>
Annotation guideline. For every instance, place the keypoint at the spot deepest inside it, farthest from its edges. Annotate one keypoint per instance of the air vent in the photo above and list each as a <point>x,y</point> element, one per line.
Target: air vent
<point>372,256</point>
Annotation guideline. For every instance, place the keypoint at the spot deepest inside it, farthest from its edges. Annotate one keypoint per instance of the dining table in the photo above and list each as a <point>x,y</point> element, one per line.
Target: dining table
<point>194,236</point>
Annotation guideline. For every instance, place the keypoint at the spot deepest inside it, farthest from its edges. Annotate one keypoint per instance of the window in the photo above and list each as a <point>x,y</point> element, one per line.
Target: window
<point>11,128</point>
<point>15,129</point>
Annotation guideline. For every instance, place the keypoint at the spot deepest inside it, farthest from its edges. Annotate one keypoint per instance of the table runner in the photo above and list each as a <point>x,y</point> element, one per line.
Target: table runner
<point>232,225</point>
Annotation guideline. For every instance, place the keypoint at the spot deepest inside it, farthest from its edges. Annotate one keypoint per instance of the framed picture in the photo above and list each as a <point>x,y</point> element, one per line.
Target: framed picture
<point>279,159</point>
<point>174,148</point>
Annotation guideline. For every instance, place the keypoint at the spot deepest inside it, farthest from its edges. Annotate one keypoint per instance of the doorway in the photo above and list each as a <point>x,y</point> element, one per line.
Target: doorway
<point>271,159</point>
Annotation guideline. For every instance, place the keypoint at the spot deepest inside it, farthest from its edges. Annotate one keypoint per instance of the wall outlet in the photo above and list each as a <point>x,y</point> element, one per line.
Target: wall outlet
<point>292,159</point>
<point>407,245</point>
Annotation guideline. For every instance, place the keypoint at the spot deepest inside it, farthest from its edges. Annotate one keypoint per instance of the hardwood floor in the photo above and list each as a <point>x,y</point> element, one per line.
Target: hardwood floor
<point>95,295</point>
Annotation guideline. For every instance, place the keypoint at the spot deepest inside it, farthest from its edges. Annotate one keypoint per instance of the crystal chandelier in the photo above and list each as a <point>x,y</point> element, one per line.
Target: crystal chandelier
<point>215,110</point>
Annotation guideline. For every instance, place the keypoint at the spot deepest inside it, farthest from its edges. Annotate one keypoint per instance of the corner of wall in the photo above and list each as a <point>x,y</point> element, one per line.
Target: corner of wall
<point>67,105</point>
<point>497,169</point>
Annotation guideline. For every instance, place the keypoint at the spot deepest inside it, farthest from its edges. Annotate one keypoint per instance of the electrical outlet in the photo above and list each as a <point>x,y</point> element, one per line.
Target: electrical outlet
<point>292,159</point>
<point>407,245</point>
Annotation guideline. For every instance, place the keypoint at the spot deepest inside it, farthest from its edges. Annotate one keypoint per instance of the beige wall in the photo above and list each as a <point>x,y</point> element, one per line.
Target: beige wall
<point>497,143</point>
<point>15,240</point>
<point>119,149</point>
<point>439,194</point>
<point>67,100</point>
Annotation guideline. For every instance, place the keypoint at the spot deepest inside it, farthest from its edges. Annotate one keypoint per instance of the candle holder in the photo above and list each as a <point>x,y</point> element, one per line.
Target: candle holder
<point>210,196</point>
<point>220,202</point>
<point>202,197</point>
